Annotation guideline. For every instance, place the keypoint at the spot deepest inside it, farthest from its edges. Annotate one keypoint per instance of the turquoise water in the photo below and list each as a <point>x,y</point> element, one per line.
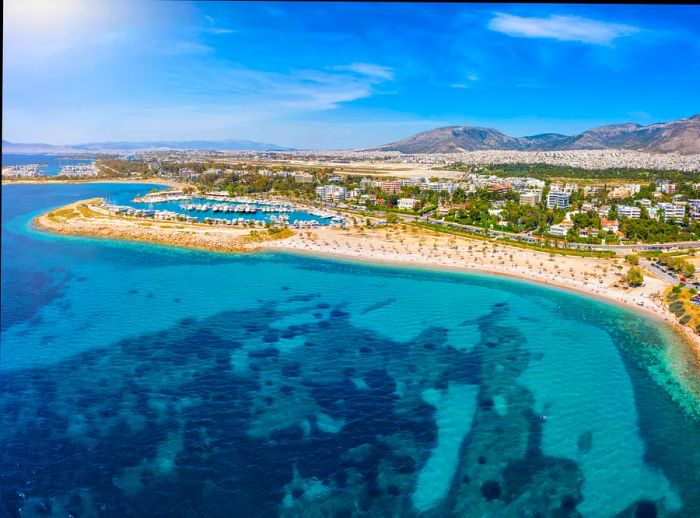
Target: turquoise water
<point>51,163</point>
<point>140,380</point>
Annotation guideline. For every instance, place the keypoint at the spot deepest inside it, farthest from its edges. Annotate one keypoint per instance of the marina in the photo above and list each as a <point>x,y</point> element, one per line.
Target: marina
<point>218,208</point>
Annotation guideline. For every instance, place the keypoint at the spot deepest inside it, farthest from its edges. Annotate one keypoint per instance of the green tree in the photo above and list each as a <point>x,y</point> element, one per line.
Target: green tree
<point>633,259</point>
<point>634,276</point>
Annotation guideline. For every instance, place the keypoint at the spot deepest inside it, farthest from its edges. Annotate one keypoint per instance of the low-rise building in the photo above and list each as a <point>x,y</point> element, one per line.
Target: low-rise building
<point>303,177</point>
<point>673,212</point>
<point>667,188</point>
<point>609,225</point>
<point>531,198</point>
<point>603,211</point>
<point>407,203</point>
<point>391,187</point>
<point>562,229</point>
<point>624,191</point>
<point>500,188</point>
<point>333,193</point>
<point>629,211</point>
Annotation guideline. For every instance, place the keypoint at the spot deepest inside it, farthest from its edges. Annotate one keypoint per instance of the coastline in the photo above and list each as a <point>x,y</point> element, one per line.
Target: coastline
<point>652,305</point>
<point>667,320</point>
<point>372,247</point>
<point>154,181</point>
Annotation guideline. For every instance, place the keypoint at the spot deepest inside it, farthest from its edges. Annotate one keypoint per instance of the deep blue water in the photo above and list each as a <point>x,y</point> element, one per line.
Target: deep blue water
<point>139,380</point>
<point>52,163</point>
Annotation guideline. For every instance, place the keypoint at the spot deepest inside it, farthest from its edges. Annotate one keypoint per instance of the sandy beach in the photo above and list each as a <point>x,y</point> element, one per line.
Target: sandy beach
<point>396,244</point>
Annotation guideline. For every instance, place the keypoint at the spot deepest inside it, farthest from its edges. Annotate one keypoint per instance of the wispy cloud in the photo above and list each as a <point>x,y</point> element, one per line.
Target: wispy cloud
<point>468,83</point>
<point>277,92</point>
<point>562,28</point>
<point>219,30</point>
<point>215,28</point>
<point>368,70</point>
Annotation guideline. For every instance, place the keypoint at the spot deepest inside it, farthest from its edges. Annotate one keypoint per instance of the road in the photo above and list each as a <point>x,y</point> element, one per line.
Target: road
<point>523,237</point>
<point>529,239</point>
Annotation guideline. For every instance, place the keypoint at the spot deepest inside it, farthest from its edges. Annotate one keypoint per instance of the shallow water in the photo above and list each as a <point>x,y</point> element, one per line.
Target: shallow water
<point>142,380</point>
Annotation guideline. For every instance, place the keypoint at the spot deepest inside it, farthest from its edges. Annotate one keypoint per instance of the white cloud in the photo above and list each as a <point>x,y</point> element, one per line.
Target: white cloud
<point>562,28</point>
<point>214,28</point>
<point>468,83</point>
<point>297,90</point>
<point>379,72</point>
<point>219,30</point>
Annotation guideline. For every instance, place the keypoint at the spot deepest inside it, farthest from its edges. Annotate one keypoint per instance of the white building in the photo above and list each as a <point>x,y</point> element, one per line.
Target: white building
<point>558,199</point>
<point>407,203</point>
<point>629,211</point>
<point>624,191</point>
<point>562,229</point>
<point>334,193</point>
<point>673,212</point>
<point>368,183</point>
<point>303,177</point>
<point>439,186</point>
<point>531,198</point>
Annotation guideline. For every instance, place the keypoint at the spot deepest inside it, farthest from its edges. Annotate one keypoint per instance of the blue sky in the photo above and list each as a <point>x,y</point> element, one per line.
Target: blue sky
<point>323,75</point>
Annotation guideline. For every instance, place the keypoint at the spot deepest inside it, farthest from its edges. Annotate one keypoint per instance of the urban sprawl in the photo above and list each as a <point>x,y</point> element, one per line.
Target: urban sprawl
<point>655,199</point>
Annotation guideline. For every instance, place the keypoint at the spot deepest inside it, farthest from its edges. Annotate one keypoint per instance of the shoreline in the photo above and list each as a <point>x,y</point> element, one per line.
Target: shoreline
<point>370,247</point>
<point>644,310</point>
<point>145,181</point>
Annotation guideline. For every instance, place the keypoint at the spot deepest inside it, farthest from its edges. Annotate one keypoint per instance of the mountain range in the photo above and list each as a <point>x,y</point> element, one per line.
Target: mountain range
<point>679,136</point>
<point>209,145</point>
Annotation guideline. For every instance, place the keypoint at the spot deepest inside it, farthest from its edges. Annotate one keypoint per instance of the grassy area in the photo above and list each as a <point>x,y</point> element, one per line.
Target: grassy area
<point>516,244</point>
<point>660,254</point>
<point>86,212</point>
<point>271,234</point>
<point>679,304</point>
<point>65,213</point>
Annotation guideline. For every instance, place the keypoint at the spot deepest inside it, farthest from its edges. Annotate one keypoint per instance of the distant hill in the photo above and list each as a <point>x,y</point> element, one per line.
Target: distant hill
<point>213,145</point>
<point>679,136</point>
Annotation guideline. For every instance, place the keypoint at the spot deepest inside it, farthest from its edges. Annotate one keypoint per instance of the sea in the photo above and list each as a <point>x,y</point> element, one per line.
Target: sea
<point>141,380</point>
<point>51,164</point>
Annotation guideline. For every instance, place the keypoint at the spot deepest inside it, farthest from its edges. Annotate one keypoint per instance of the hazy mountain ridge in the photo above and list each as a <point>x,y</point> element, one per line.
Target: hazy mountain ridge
<point>679,136</point>
<point>213,145</point>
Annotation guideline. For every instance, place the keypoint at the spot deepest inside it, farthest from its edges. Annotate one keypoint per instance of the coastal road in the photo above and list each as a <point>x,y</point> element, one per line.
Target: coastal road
<point>525,237</point>
<point>658,272</point>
